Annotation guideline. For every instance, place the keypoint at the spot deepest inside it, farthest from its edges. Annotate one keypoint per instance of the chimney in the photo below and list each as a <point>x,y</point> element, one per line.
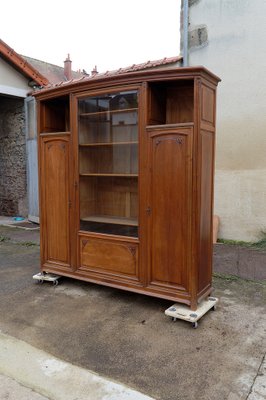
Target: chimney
<point>67,68</point>
<point>94,71</point>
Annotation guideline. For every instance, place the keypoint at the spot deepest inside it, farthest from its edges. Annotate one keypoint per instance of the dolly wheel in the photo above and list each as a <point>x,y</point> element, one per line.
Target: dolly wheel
<point>55,283</point>
<point>194,325</point>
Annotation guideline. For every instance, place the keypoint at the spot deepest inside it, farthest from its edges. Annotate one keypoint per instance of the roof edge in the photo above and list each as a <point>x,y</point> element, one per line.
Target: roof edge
<point>78,85</point>
<point>21,64</point>
<point>148,65</point>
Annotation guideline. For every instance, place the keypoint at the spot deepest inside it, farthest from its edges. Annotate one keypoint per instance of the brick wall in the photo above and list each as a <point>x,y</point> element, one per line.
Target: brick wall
<point>13,191</point>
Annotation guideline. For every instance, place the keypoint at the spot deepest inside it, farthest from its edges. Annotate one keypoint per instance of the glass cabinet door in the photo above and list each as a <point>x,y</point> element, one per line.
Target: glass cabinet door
<point>108,163</point>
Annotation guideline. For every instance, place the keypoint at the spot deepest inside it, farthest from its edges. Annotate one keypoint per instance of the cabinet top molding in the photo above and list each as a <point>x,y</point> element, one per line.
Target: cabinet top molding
<point>111,79</point>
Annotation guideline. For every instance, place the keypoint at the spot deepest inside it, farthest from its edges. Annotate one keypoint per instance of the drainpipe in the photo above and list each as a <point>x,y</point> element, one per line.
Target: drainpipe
<point>185,33</point>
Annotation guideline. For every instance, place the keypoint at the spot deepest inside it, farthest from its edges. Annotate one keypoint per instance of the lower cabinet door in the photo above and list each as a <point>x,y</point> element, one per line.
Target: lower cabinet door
<point>170,158</point>
<point>55,201</point>
<point>113,259</point>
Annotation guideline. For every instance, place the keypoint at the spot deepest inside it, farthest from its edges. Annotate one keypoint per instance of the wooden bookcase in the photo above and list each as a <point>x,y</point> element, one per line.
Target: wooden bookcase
<point>126,166</point>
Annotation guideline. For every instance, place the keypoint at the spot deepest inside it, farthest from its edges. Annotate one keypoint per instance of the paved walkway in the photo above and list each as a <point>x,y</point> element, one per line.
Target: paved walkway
<point>54,378</point>
<point>258,389</point>
<point>41,378</point>
<point>10,389</point>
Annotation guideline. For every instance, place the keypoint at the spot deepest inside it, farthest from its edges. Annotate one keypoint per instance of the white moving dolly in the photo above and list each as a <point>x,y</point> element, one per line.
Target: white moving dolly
<point>178,311</point>
<point>43,276</point>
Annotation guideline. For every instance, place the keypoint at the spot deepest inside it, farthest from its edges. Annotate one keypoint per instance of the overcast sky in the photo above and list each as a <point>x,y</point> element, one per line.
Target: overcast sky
<point>106,33</point>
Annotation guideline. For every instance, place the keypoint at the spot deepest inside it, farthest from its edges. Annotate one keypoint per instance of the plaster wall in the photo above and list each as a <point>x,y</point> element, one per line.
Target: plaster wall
<point>11,81</point>
<point>227,36</point>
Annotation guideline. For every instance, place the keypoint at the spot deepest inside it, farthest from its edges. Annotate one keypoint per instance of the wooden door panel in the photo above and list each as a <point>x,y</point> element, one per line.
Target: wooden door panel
<point>55,200</point>
<point>170,196</point>
<point>109,257</point>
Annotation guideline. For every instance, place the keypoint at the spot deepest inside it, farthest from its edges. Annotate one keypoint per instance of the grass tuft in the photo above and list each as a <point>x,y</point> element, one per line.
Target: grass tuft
<point>4,238</point>
<point>234,242</point>
<point>260,244</point>
<point>28,244</point>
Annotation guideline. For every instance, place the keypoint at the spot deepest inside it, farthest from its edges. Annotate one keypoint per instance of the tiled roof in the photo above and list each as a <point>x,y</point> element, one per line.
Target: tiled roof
<point>148,64</point>
<point>53,73</point>
<point>164,62</point>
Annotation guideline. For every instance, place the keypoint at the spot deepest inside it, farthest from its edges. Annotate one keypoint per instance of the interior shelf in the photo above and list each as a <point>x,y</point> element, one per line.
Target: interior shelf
<point>111,175</point>
<point>107,144</point>
<point>108,112</point>
<point>111,220</point>
<point>54,133</point>
<point>54,115</point>
<point>108,163</point>
<point>170,126</point>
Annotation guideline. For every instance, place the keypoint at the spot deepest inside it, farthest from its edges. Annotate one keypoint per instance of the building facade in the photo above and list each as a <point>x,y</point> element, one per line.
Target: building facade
<point>227,37</point>
<point>16,79</point>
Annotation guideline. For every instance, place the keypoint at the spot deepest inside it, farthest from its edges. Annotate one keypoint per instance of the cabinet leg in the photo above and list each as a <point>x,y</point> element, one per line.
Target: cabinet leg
<point>194,305</point>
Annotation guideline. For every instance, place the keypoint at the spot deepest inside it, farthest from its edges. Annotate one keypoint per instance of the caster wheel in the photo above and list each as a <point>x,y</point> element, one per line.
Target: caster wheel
<point>55,283</point>
<point>173,319</point>
<point>194,325</point>
<point>41,282</point>
<point>214,308</point>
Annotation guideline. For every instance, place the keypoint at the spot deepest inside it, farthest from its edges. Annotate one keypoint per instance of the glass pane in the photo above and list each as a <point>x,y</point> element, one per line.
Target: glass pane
<point>108,163</point>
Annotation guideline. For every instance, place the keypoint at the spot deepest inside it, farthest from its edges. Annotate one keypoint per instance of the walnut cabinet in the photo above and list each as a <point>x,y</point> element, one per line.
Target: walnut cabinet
<point>126,166</point>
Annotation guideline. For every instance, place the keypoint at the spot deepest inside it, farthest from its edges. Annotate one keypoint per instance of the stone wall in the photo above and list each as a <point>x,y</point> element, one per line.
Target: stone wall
<point>247,263</point>
<point>13,190</point>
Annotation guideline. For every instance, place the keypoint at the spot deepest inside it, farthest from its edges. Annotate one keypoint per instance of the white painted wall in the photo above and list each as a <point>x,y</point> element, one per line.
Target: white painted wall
<point>12,82</point>
<point>236,53</point>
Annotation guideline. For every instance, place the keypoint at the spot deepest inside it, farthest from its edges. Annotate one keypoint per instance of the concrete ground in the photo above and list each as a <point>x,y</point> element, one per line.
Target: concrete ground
<point>127,338</point>
<point>12,390</point>
<point>55,378</point>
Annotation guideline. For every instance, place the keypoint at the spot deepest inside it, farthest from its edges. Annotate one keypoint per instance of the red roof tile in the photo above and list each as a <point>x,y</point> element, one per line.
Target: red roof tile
<point>132,68</point>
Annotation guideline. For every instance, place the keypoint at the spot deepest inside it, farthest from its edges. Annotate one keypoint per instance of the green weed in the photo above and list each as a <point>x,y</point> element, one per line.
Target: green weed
<point>28,244</point>
<point>4,238</point>
<point>259,245</point>
<point>234,242</point>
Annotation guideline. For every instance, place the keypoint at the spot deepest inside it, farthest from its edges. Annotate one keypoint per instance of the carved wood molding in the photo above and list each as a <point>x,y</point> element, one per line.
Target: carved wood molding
<point>132,250</point>
<point>178,140</point>
<point>84,242</point>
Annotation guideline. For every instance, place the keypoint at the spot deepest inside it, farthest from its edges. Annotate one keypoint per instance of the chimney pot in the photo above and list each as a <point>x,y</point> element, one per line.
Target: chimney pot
<point>94,71</point>
<point>68,68</point>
